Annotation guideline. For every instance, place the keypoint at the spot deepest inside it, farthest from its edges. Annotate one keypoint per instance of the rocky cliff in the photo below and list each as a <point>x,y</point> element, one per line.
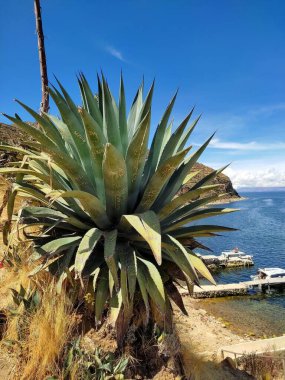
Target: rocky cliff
<point>226,186</point>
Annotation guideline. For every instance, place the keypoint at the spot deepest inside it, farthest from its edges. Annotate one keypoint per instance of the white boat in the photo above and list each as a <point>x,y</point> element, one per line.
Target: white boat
<point>236,254</point>
<point>266,273</point>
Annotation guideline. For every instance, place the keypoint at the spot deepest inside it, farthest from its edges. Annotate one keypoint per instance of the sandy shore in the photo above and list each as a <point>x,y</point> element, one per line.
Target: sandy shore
<point>201,336</point>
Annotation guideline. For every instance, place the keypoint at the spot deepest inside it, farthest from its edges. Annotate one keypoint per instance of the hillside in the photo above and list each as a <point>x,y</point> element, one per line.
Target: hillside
<point>226,186</point>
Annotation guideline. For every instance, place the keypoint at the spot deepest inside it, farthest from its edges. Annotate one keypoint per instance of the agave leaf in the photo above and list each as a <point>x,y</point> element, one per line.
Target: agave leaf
<point>176,180</point>
<point>96,141</point>
<point>115,180</point>
<point>76,129</point>
<point>66,274</point>
<point>200,230</point>
<point>135,159</point>
<point>31,192</point>
<point>58,267</point>
<point>122,116</point>
<point>115,307</point>
<point>180,256</point>
<point>201,214</point>
<point>86,248</point>
<point>56,246</point>
<point>68,99</point>
<point>102,293</point>
<point>157,142</point>
<point>175,296</point>
<point>122,253</point>
<point>187,134</point>
<point>200,266</point>
<point>48,127</point>
<point>166,137</point>
<point>111,283</point>
<point>132,273</point>
<point>110,119</point>
<point>182,200</point>
<point>70,167</point>
<point>100,94</point>
<point>56,179</point>
<point>91,205</point>
<point>171,146</point>
<point>131,262</point>
<point>159,179</point>
<point>190,176</point>
<point>91,102</point>
<point>15,149</point>
<point>135,111</point>
<point>153,282</point>
<point>110,254</point>
<point>44,265</point>
<point>95,275</point>
<point>146,107</point>
<point>41,176</point>
<point>185,211</point>
<point>34,132</point>
<point>65,133</point>
<point>46,212</point>
<point>147,225</point>
<point>143,291</point>
<point>208,177</point>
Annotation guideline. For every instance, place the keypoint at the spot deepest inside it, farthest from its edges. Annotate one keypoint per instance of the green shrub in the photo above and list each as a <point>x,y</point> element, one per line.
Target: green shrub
<point>108,207</point>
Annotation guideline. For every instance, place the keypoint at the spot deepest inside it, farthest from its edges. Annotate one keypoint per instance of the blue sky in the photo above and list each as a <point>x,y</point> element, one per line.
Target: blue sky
<point>226,56</point>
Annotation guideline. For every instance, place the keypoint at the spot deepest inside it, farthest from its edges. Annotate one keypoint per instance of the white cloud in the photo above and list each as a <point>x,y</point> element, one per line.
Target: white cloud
<point>268,110</point>
<point>268,177</point>
<point>252,145</point>
<point>115,53</point>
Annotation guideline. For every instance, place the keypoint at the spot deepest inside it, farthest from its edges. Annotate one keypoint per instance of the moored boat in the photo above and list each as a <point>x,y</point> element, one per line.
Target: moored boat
<point>235,254</point>
<point>268,273</point>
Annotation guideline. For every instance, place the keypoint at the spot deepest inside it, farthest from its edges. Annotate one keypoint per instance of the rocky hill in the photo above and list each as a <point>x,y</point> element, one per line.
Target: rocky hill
<point>226,186</point>
<point>11,135</point>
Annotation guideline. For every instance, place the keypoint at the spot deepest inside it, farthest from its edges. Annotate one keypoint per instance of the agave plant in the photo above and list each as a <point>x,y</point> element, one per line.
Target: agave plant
<point>109,211</point>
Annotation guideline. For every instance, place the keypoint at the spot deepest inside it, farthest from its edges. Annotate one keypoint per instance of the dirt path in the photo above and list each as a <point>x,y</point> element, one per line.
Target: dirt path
<point>201,336</point>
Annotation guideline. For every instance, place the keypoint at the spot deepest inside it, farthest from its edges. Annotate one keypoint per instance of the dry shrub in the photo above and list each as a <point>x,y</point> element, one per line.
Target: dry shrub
<point>265,366</point>
<point>49,331</point>
<point>41,336</point>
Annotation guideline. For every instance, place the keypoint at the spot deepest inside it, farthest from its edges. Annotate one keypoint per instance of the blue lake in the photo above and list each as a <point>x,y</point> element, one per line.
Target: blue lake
<point>261,233</point>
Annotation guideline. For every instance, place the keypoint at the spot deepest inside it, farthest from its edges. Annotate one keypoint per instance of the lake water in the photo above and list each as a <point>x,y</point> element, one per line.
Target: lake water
<point>261,233</point>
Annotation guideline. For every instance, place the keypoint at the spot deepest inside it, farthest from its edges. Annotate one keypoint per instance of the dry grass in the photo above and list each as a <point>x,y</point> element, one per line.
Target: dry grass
<point>48,332</point>
<point>39,337</point>
<point>266,366</point>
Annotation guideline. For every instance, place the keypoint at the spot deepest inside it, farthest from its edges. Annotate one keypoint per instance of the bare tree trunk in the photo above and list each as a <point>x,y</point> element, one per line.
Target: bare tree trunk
<point>42,57</point>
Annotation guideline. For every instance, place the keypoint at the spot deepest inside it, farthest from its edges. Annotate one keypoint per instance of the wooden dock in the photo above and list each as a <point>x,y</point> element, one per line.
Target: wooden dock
<point>238,289</point>
<point>215,262</point>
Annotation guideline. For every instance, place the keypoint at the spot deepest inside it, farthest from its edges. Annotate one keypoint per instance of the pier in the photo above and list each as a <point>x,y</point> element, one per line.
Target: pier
<point>257,347</point>
<point>238,289</point>
<point>227,260</point>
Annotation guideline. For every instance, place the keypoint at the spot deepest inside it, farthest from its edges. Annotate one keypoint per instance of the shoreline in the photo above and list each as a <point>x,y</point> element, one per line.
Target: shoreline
<point>201,322</point>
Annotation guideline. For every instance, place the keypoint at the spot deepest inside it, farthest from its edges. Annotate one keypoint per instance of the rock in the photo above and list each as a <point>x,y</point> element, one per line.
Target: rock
<point>221,179</point>
<point>228,365</point>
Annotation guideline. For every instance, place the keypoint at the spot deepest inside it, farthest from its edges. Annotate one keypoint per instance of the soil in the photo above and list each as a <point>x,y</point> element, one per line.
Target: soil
<point>201,336</point>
